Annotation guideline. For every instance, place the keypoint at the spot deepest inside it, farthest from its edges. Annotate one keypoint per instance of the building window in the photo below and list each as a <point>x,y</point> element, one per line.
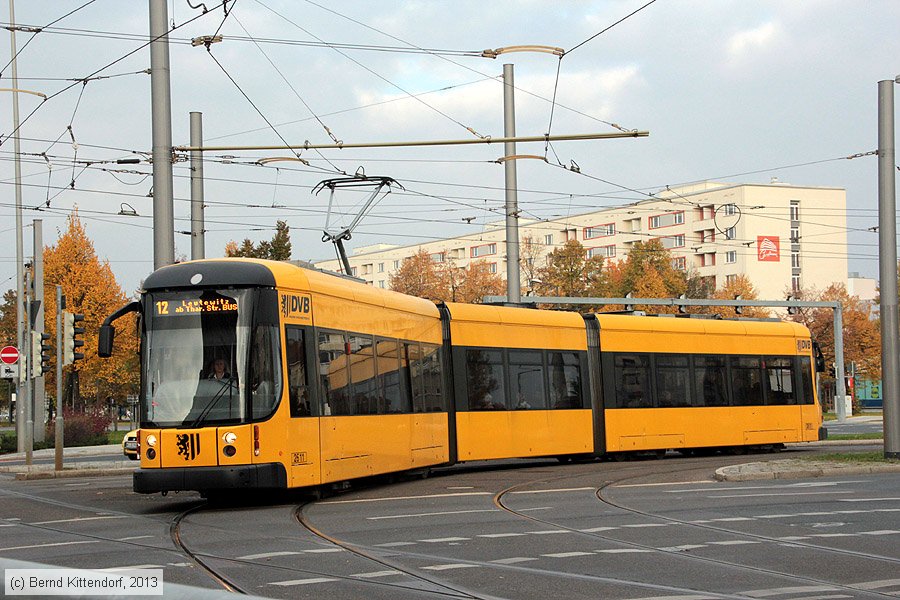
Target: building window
<point>381,283</point>
<point>483,250</point>
<point>731,256</point>
<point>353,271</point>
<point>795,283</point>
<point>795,235</point>
<point>729,233</point>
<point>673,241</point>
<point>548,239</point>
<point>679,263</point>
<point>708,259</point>
<point>667,220</point>
<point>396,264</point>
<point>795,210</point>
<point>730,210</point>
<point>605,230</point>
<point>707,236</point>
<point>381,267</point>
<point>437,257</point>
<point>795,260</point>
<point>492,267</point>
<point>602,251</point>
<point>730,279</point>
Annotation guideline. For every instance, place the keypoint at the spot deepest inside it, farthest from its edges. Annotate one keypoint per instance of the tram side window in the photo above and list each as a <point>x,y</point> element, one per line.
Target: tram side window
<point>416,378</point>
<point>779,380</point>
<point>564,370</point>
<point>746,384</point>
<point>526,379</point>
<point>265,371</point>
<point>334,374</point>
<point>298,384</point>
<point>432,398</point>
<point>673,380</point>
<point>484,380</point>
<point>362,375</point>
<point>806,381</point>
<point>709,381</point>
<point>632,374</point>
<point>390,390</point>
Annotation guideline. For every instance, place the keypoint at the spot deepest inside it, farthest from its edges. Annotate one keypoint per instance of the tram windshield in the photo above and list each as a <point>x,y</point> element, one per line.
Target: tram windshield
<point>207,360</point>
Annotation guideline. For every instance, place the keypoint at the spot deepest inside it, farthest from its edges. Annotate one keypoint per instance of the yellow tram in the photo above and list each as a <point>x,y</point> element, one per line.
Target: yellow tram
<point>260,374</point>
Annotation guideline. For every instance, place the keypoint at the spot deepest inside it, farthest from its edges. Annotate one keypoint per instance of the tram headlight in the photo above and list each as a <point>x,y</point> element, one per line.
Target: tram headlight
<point>151,440</point>
<point>229,438</point>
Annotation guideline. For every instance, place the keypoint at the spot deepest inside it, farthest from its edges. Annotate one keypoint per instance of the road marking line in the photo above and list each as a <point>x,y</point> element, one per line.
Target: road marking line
<point>639,525</point>
<point>395,544</point>
<point>407,498</point>
<point>684,597</point>
<point>303,581</point>
<point>323,550</point>
<point>431,514</point>
<point>670,483</point>
<point>500,535</point>
<point>449,539</point>
<point>130,568</point>
<point>78,520</point>
<point>49,545</point>
<point>597,529</point>
<point>266,555</point>
<point>734,542</point>
<point>681,548</point>
<point>879,532</point>
<point>549,532</point>
<point>567,554</point>
<point>874,585</point>
<point>869,500</point>
<point>375,574</point>
<point>624,551</point>
<point>789,590</point>
<point>513,560</point>
<point>449,567</point>
<point>795,493</point>
<point>135,537</point>
<point>580,489</point>
<point>792,538</point>
<point>832,535</point>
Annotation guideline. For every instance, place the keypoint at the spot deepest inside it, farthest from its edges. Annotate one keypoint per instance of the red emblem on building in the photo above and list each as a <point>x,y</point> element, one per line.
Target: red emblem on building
<point>768,248</point>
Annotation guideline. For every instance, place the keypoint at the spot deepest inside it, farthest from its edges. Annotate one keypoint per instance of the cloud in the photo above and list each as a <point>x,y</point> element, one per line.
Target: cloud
<point>745,44</point>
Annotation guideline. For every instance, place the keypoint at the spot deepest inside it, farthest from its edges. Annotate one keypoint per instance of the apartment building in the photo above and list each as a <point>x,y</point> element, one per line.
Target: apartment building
<point>783,237</point>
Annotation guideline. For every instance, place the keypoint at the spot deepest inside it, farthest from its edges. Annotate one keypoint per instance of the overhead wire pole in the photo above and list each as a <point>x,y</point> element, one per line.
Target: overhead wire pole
<point>20,252</point>
<point>887,267</point>
<point>513,280</point>
<point>198,244</point>
<point>161,116</point>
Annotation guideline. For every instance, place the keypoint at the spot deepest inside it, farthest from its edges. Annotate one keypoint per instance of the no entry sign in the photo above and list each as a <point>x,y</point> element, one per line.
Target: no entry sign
<point>9,355</point>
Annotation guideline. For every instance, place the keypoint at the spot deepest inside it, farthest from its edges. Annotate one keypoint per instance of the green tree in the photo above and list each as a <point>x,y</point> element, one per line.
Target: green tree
<point>279,248</point>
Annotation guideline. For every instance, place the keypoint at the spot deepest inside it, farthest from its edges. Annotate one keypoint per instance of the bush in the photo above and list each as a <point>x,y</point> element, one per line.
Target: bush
<point>9,443</point>
<point>82,429</point>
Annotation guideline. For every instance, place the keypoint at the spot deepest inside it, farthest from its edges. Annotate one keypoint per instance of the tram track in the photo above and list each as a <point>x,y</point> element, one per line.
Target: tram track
<point>498,500</point>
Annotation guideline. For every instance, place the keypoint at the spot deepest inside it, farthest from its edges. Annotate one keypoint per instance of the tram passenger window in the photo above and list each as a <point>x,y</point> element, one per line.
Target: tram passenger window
<point>265,371</point>
<point>362,375</point>
<point>564,370</point>
<point>484,380</point>
<point>298,384</point>
<point>526,379</point>
<point>779,380</point>
<point>389,389</point>
<point>806,381</point>
<point>416,377</point>
<point>334,374</point>
<point>709,381</point>
<point>673,380</point>
<point>408,352</point>
<point>632,380</point>
<point>432,380</point>
<point>746,384</point>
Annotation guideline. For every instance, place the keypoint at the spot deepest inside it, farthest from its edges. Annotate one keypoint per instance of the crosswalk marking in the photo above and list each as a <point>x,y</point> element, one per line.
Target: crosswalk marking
<point>311,580</point>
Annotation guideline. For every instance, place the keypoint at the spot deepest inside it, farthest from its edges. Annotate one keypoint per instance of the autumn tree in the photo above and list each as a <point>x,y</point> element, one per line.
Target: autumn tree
<point>420,276</point>
<point>89,288</point>
<point>741,286</point>
<point>530,253</point>
<point>8,337</point>
<point>279,248</point>
<point>647,272</point>
<point>862,334</point>
<point>569,272</point>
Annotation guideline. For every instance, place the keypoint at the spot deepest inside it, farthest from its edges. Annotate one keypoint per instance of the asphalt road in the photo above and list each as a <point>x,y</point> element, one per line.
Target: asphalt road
<point>632,530</point>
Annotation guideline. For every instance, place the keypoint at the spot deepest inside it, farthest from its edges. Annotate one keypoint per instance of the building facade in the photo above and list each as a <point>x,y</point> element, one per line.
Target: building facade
<point>782,237</point>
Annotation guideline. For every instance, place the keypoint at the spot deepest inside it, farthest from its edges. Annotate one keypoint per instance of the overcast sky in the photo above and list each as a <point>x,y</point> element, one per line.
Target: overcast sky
<point>731,90</point>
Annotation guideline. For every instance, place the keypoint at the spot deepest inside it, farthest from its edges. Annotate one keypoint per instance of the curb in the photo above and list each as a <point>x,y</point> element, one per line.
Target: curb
<point>798,469</point>
<point>65,474</point>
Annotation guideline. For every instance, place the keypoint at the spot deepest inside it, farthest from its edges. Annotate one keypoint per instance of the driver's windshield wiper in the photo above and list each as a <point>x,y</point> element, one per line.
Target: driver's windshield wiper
<point>209,405</point>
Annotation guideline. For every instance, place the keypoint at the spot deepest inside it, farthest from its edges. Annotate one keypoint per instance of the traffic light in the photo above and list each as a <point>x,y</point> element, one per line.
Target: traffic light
<point>40,354</point>
<point>71,343</point>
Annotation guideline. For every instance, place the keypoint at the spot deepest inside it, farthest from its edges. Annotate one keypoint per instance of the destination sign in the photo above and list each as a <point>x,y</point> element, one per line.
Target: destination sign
<point>194,306</point>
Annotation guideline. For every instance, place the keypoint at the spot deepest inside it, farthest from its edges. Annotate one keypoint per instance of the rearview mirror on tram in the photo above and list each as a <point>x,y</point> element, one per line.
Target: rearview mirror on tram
<point>108,333</point>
